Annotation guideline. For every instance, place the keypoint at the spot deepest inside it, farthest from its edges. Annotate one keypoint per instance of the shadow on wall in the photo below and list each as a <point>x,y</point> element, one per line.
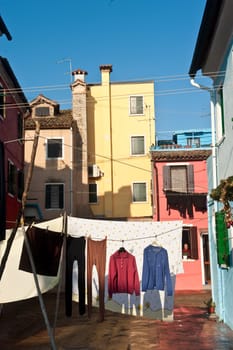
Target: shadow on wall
<point>186,204</point>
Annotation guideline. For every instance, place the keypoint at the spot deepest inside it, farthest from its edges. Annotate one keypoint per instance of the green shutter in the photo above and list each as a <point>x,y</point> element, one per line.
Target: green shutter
<point>222,240</point>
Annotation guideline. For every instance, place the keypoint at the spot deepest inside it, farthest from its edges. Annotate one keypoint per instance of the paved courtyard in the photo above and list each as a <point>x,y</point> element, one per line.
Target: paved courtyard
<point>22,327</point>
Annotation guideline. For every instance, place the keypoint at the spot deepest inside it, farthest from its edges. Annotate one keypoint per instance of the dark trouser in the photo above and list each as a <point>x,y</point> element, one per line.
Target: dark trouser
<point>75,250</point>
<point>96,255</point>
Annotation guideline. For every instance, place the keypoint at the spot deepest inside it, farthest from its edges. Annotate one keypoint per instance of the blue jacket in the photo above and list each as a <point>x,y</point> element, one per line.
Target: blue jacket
<point>155,272</point>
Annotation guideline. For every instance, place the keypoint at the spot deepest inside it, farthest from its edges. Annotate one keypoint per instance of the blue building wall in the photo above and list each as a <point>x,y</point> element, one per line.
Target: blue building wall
<point>193,138</point>
<point>222,279</point>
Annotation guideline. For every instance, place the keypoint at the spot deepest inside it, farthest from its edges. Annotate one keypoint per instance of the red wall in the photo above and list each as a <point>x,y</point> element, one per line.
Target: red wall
<point>191,279</point>
<point>14,151</point>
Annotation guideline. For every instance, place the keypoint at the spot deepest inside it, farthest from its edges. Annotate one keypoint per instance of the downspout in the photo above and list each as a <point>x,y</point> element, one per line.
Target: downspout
<point>214,179</point>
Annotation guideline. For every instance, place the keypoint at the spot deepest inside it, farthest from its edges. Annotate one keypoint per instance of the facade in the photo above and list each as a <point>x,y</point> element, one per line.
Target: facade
<point>13,109</point>
<point>116,127</point>
<point>95,158</point>
<point>53,183</point>
<point>213,56</point>
<point>180,193</point>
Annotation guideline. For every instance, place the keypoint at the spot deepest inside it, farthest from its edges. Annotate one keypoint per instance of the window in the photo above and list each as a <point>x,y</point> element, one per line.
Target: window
<point>193,141</point>
<point>2,102</point>
<point>20,184</point>
<point>178,178</point>
<point>137,145</point>
<point>92,193</point>
<point>54,196</point>
<point>20,126</point>
<point>139,192</point>
<point>54,148</point>
<point>189,242</point>
<point>42,111</point>
<point>12,185</point>
<point>136,105</point>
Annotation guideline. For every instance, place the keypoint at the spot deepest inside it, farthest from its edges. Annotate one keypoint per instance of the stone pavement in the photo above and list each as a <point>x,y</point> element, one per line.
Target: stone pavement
<point>22,327</point>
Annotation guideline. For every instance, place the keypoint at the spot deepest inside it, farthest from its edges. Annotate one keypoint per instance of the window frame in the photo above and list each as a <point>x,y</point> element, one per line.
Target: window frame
<point>192,240</point>
<point>167,180</point>
<point>61,196</point>
<point>42,110</point>
<point>132,146</point>
<point>134,195</point>
<point>60,145</point>
<point>130,105</point>
<point>92,194</point>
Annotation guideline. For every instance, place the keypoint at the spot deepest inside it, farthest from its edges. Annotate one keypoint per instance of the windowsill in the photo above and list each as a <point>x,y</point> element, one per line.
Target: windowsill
<point>188,260</point>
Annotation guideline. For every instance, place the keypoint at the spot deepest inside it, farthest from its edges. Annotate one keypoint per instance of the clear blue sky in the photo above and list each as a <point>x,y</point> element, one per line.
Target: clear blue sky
<point>142,39</point>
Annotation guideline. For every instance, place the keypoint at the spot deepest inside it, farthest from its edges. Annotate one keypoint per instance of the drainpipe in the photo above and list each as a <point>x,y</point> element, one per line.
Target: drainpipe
<point>214,179</point>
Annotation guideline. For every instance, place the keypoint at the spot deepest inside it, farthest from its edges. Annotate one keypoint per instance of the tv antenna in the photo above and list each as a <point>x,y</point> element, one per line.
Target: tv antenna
<point>70,66</point>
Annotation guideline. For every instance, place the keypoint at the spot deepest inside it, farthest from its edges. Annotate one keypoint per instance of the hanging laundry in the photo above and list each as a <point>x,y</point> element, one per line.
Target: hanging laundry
<point>45,247</point>
<point>96,255</point>
<point>75,251</point>
<point>123,274</point>
<point>156,272</point>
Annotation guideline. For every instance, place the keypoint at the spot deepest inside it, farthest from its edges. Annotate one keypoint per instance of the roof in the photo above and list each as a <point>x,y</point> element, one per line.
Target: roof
<point>182,155</point>
<point>62,121</point>
<point>206,33</point>
<point>4,30</point>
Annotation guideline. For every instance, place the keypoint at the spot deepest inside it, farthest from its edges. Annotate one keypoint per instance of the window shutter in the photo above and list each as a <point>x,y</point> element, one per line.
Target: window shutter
<point>166,178</point>
<point>222,240</point>
<point>193,242</point>
<point>190,175</point>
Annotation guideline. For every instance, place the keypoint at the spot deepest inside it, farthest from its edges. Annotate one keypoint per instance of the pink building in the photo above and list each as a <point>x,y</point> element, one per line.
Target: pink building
<point>180,190</point>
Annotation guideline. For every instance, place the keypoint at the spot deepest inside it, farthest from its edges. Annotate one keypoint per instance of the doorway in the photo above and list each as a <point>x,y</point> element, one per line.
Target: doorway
<point>205,259</point>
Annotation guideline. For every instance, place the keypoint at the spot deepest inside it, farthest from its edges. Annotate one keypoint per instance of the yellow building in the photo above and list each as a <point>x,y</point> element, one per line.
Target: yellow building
<point>116,129</point>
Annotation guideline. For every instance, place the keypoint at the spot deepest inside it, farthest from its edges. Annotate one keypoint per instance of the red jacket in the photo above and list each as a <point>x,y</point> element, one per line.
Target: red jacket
<point>123,274</point>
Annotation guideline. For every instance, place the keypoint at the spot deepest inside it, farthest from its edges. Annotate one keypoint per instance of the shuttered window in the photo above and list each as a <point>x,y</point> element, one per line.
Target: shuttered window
<point>178,178</point>
<point>222,240</point>
<point>54,196</point>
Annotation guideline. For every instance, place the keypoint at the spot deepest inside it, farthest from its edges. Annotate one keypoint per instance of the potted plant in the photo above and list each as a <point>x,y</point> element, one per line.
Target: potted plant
<point>210,306</point>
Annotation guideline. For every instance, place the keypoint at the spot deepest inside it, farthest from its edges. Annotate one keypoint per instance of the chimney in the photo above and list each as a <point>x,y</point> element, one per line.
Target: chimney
<point>79,74</point>
<point>105,69</point>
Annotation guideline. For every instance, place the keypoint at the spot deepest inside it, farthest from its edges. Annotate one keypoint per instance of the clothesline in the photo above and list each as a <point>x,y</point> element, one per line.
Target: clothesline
<point>131,239</point>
